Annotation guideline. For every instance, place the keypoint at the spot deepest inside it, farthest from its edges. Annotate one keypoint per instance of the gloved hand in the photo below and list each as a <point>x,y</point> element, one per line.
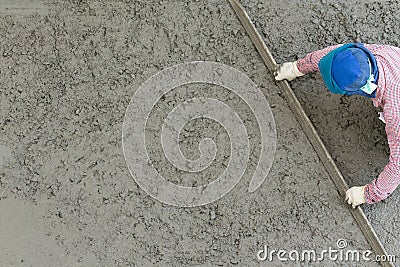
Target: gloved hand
<point>288,71</point>
<point>355,196</point>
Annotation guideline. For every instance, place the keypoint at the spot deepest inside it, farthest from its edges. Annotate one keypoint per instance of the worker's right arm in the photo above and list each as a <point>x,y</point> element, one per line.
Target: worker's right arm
<point>291,70</point>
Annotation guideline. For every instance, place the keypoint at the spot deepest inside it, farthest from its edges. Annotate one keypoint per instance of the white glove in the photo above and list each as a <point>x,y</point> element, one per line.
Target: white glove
<point>355,196</point>
<point>288,71</point>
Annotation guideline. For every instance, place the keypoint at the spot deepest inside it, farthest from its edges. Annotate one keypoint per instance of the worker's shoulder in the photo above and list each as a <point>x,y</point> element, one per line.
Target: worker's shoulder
<point>382,48</point>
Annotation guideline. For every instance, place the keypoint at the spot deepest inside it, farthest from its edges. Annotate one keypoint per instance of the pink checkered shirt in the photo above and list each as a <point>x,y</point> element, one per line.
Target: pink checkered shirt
<point>387,97</point>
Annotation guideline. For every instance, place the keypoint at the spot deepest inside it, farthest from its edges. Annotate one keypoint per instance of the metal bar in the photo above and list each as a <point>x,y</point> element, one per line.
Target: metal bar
<point>310,131</point>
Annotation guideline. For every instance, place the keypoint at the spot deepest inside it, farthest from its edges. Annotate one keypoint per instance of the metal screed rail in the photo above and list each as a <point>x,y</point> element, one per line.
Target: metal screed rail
<point>310,131</point>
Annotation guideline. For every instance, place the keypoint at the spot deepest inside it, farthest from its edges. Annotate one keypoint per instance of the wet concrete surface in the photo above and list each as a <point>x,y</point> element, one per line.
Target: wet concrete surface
<point>349,126</point>
<point>68,75</point>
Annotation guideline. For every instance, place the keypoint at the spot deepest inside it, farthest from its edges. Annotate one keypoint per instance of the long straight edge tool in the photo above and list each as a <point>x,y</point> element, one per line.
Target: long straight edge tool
<point>310,131</point>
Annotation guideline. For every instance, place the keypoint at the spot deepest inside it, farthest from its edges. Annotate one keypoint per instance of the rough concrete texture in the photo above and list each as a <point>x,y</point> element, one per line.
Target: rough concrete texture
<point>349,126</point>
<point>67,197</point>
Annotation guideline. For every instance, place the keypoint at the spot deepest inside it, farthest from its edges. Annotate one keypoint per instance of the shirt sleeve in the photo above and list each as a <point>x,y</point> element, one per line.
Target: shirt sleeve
<point>310,62</point>
<point>389,179</point>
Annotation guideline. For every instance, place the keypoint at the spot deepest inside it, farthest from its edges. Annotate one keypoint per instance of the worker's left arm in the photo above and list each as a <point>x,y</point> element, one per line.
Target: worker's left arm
<point>389,179</point>
<point>381,187</point>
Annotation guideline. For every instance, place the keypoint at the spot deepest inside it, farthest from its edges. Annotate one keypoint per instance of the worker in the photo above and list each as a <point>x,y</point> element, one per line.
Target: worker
<point>370,70</point>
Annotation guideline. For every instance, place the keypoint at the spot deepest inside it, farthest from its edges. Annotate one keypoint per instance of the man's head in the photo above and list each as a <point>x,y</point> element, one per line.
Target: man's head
<point>350,69</point>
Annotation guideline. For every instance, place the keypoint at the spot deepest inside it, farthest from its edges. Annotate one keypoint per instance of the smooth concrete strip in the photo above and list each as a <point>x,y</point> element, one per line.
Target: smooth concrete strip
<point>23,7</point>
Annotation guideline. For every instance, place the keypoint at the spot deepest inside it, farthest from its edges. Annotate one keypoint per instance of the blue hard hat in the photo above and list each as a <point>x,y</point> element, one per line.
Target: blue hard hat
<point>350,69</point>
<point>347,68</point>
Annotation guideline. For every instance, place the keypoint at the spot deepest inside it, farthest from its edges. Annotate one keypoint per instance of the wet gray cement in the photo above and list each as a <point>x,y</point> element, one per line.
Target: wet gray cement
<point>68,73</point>
<point>349,126</point>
